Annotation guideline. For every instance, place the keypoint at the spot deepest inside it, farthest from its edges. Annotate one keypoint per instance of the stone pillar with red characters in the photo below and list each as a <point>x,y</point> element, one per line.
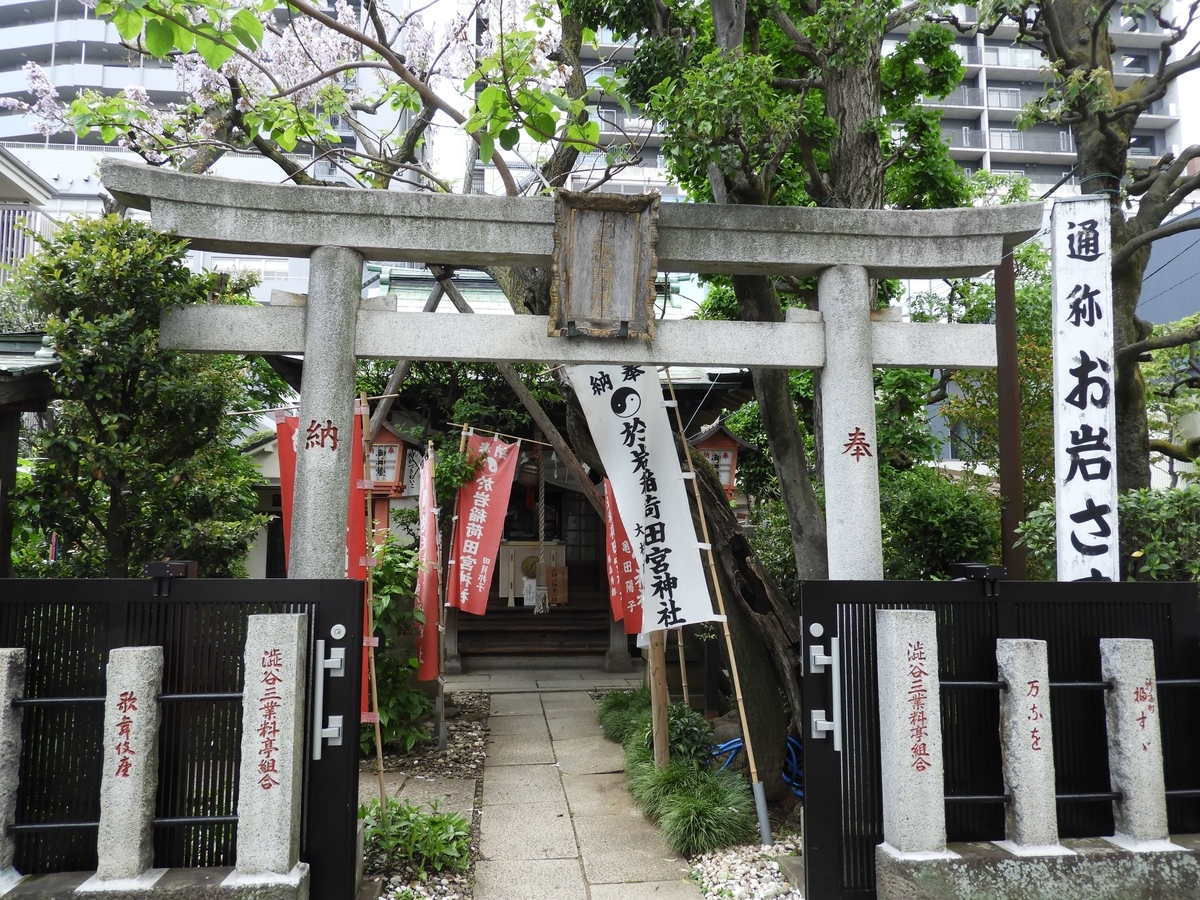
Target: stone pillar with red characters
<point>910,734</point>
<point>129,773</point>
<point>270,782</point>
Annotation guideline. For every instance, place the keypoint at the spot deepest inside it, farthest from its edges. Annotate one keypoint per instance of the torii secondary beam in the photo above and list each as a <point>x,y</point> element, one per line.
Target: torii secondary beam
<point>337,228</point>
<point>796,344</point>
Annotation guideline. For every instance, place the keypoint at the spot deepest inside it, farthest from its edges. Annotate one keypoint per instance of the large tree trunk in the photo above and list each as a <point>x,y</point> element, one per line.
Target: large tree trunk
<point>853,101</point>
<point>760,619</point>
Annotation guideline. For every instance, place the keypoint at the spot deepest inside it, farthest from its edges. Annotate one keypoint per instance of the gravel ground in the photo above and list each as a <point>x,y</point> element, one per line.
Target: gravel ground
<point>463,758</point>
<point>748,872</point>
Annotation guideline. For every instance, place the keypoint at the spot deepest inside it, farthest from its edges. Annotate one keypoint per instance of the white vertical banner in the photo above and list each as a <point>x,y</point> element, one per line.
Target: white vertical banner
<point>628,420</point>
<point>1085,374</point>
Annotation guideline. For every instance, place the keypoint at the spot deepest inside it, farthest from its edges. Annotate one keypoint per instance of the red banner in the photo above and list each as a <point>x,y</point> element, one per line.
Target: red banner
<point>624,591</point>
<point>285,431</point>
<point>356,512</point>
<point>427,578</point>
<point>482,506</point>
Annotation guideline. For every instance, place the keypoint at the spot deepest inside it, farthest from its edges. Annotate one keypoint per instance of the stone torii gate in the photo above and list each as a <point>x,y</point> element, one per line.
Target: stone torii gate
<point>339,229</point>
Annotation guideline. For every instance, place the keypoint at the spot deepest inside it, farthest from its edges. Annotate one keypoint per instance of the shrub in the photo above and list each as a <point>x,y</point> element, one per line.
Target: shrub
<point>653,788</point>
<point>931,521</point>
<point>1160,535</point>
<point>689,735</point>
<point>401,704</point>
<point>698,810</point>
<point>432,840</point>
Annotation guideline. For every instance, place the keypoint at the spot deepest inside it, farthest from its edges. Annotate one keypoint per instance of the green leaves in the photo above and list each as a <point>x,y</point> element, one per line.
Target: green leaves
<point>160,37</point>
<point>128,22</point>
<point>1160,534</point>
<point>215,54</point>
<point>246,27</point>
<point>141,463</point>
<point>430,841</point>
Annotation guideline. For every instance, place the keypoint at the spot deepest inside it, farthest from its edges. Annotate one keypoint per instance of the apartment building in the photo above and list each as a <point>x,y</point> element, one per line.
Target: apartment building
<point>979,117</point>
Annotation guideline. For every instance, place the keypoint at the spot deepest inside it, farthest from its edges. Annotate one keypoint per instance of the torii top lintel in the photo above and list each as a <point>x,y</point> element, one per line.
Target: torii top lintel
<point>226,215</point>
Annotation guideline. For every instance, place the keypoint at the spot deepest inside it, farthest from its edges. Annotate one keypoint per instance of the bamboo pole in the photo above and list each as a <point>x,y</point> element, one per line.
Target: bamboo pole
<point>369,552</point>
<point>659,698</point>
<point>759,796</point>
<point>440,703</point>
<point>683,668</point>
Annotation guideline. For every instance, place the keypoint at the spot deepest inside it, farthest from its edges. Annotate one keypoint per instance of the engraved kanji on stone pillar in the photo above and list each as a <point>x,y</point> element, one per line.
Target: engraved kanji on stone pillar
<point>270,781</point>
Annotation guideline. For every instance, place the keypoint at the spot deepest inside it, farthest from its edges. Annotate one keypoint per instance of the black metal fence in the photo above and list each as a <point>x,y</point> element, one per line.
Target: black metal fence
<point>68,627</point>
<point>1071,618</point>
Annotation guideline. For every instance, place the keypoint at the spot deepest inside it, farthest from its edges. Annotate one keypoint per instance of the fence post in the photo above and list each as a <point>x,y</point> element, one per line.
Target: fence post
<point>12,685</point>
<point>129,777</point>
<point>270,782</point>
<point>910,734</point>
<point>1031,816</point>
<point>1135,761</point>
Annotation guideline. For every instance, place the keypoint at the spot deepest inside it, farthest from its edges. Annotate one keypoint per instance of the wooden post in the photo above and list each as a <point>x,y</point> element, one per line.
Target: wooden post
<point>659,698</point>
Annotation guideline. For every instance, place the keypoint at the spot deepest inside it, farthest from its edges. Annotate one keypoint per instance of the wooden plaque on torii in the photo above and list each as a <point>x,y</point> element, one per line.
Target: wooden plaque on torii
<point>604,265</point>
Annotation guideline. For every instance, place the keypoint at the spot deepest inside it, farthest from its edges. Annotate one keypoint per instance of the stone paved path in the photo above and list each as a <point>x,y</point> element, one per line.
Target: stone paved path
<point>558,821</point>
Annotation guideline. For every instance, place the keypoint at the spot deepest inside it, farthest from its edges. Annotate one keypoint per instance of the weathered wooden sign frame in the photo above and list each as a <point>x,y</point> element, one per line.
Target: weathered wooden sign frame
<point>604,265</point>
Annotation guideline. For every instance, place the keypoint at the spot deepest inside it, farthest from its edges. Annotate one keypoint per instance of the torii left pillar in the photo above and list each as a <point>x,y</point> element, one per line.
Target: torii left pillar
<point>322,492</point>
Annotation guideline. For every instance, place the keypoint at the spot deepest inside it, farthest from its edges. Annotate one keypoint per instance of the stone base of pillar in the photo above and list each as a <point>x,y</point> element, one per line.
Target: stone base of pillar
<point>617,658</point>
<point>110,886</point>
<point>169,884</point>
<point>9,878</point>
<point>1093,869</point>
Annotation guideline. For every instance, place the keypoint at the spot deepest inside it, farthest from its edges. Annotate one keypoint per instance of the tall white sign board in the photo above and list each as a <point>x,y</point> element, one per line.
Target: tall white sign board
<point>1085,470</point>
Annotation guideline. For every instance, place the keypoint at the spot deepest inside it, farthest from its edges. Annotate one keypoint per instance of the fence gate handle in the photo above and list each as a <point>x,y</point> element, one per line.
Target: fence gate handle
<point>336,663</point>
<point>817,663</point>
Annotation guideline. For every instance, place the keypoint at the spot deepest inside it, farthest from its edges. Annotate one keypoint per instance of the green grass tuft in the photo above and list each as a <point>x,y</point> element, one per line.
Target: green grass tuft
<point>715,810</point>
<point>618,710</point>
<point>653,789</point>
<point>697,809</point>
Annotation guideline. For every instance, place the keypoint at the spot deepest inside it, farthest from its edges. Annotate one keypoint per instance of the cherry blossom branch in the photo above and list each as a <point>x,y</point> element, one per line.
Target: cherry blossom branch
<point>423,90</point>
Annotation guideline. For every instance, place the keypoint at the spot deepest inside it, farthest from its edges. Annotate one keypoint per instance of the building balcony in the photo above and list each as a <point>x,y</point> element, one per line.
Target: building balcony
<point>1031,141</point>
<point>1013,58</point>
<point>19,224</point>
<point>963,138</point>
<point>959,97</point>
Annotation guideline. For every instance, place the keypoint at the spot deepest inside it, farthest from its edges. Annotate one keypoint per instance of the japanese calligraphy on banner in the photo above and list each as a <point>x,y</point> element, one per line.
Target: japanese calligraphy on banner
<point>482,506</point>
<point>427,577</point>
<point>1085,471</point>
<point>624,585</point>
<point>628,421</point>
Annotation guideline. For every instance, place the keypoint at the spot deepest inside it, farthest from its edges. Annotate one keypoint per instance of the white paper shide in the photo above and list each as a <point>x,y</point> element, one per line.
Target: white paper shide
<point>1085,471</point>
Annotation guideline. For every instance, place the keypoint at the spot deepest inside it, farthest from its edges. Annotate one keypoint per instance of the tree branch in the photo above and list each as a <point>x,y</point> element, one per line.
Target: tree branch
<point>362,64</point>
<point>800,43</point>
<point>1161,342</point>
<point>424,91</point>
<point>1187,452</point>
<point>1137,242</point>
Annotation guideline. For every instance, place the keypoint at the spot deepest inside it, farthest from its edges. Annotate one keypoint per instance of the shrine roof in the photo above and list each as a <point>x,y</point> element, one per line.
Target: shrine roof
<point>22,355</point>
<point>718,428</point>
<point>226,215</point>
